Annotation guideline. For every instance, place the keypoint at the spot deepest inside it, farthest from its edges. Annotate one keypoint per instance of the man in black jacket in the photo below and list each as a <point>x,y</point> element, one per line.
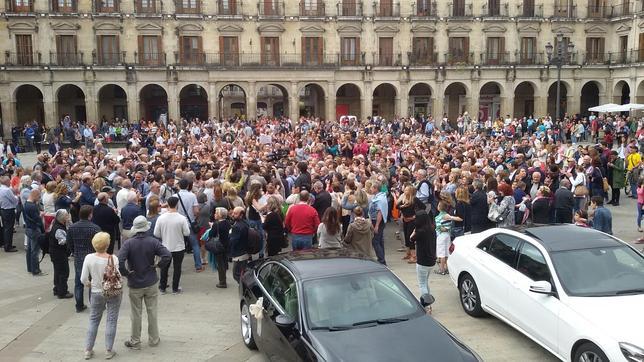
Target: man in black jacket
<point>564,203</point>
<point>479,206</point>
<point>105,217</point>
<point>238,242</point>
<point>322,199</point>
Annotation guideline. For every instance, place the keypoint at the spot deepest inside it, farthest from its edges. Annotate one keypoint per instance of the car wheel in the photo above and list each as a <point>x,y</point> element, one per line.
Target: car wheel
<point>589,352</point>
<point>470,298</point>
<point>247,327</point>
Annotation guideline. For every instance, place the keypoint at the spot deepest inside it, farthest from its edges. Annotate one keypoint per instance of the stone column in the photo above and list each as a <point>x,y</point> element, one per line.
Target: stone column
<point>251,101</point>
<point>540,105</point>
<point>330,99</point>
<point>294,103</point>
<point>8,117</point>
<point>472,105</point>
<point>402,105</point>
<point>173,102</point>
<point>572,104</point>
<point>133,103</point>
<point>438,103</point>
<point>213,100</point>
<point>507,106</point>
<point>51,112</point>
<point>366,102</point>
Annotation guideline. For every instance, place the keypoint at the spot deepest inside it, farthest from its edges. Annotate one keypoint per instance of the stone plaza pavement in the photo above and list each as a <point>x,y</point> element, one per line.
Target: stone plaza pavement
<point>203,323</point>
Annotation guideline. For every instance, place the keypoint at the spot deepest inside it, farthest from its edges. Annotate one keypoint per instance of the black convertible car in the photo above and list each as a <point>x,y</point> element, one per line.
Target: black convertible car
<point>327,305</point>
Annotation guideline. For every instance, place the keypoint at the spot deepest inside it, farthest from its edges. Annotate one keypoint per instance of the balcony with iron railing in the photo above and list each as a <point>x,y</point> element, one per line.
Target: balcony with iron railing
<point>349,9</point>
<point>62,9</point>
<point>23,59</point>
<point>108,58</point>
<point>459,58</point>
<point>286,60</point>
<point>270,9</point>
<point>424,9</point>
<point>64,59</point>
<point>424,58</point>
<point>497,11</point>
<point>460,10</point>
<point>598,11</point>
<point>623,9</point>
<point>190,58</point>
<point>187,7</point>
<point>16,7</point>
<point>148,7</point>
<point>565,12</point>
<point>495,58</point>
<point>530,11</point>
<point>387,60</point>
<point>529,58</point>
<point>312,9</point>
<point>386,9</point>
<point>229,8</point>
<point>150,59</point>
<point>107,7</point>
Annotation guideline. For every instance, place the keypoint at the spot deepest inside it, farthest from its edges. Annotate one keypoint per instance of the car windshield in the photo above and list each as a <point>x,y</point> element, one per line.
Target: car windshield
<point>358,299</point>
<point>600,272</point>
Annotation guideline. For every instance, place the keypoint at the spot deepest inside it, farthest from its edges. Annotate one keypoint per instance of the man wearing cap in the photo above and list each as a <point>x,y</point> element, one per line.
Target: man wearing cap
<point>136,262</point>
<point>105,217</point>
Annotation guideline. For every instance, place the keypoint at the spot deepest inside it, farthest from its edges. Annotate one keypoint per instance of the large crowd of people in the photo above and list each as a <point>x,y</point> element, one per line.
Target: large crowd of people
<point>231,190</point>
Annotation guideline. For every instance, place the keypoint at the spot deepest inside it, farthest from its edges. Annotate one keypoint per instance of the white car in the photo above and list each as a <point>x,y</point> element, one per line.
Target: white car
<point>577,292</point>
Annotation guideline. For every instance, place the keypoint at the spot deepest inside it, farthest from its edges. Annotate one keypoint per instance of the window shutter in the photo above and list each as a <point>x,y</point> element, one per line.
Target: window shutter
<point>358,53</point>
<point>141,50</point>
<point>201,57</point>
<point>601,48</point>
<point>59,44</point>
<point>54,5</point>
<point>466,47</point>
<point>303,44</point>
<point>116,6</point>
<point>262,47</point>
<point>160,54</point>
<point>320,41</point>
<point>99,49</point>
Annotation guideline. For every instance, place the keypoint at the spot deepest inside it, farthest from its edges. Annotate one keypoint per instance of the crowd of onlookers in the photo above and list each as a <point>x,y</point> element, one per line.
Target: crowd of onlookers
<point>226,191</point>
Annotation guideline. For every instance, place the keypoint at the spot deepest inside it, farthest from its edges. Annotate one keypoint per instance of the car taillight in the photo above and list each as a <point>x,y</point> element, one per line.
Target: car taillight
<point>451,248</point>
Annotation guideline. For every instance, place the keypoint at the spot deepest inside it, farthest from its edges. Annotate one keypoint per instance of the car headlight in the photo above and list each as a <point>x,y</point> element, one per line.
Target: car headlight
<point>631,352</point>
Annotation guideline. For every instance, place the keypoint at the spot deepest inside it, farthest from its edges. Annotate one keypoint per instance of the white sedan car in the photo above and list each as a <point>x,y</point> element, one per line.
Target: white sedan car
<point>577,292</point>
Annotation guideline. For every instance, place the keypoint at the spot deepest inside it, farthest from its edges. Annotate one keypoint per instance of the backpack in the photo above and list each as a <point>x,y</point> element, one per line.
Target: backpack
<point>254,241</point>
<point>112,285</point>
<point>43,242</point>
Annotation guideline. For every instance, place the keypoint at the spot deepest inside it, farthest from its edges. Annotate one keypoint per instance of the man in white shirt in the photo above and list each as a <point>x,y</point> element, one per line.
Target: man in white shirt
<point>172,227</point>
<point>121,196</point>
<point>189,207</point>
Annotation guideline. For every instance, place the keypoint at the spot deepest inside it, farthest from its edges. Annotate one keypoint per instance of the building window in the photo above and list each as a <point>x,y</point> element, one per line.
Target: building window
<point>21,6</point>
<point>495,52</point>
<point>595,50</point>
<point>227,7</point>
<point>107,6</point>
<point>229,50</point>
<point>386,51</point>
<point>623,49</point>
<point>349,8</point>
<point>312,8</point>
<point>187,6</point>
<point>312,50</point>
<point>458,8</point>
<point>494,7</point>
<point>350,51</point>
<point>64,6</point>
<point>528,9</point>
<point>422,51</point>
<point>108,50</point>
<point>528,51</point>
<point>459,50</point>
<point>641,48</point>
<point>269,8</point>
<point>424,8</point>
<point>146,6</point>
<point>563,8</point>
<point>66,50</point>
<point>386,8</point>
<point>150,50</point>
<point>24,50</point>
<point>596,8</point>
<point>191,50</point>
<point>270,50</point>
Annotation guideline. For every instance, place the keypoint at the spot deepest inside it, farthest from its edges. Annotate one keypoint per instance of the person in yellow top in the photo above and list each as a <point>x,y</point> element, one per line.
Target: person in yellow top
<point>633,161</point>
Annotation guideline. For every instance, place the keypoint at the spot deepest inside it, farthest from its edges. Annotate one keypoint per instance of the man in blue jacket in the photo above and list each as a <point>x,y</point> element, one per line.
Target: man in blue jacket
<point>238,242</point>
<point>603,220</point>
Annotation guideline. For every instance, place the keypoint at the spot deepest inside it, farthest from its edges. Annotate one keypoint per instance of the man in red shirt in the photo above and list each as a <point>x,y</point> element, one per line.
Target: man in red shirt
<point>302,223</point>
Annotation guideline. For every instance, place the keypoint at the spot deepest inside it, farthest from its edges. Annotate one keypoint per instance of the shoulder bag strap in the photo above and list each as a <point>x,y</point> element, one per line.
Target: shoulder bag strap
<point>184,208</point>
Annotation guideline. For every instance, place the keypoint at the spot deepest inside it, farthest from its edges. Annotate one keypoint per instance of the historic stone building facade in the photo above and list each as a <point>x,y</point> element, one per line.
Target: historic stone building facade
<point>143,58</point>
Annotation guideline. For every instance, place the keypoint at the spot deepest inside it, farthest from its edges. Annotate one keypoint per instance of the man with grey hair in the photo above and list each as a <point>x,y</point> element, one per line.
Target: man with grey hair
<point>122,195</point>
<point>105,217</point>
<point>378,213</point>
<point>129,212</point>
<point>322,199</point>
<point>564,203</point>
<point>238,240</point>
<point>8,204</point>
<point>34,228</point>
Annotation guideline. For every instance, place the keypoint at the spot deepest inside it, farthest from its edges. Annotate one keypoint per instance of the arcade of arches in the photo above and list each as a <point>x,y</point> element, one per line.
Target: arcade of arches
<point>313,99</point>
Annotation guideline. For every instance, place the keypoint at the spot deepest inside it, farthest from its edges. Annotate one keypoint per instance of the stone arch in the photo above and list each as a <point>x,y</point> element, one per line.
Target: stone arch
<point>420,99</point>
<point>348,100</point>
<point>193,102</point>
<point>455,99</point>
<point>277,103</point>
<point>70,100</point>
<point>384,100</point>
<point>524,94</point>
<point>153,102</point>
<point>489,106</point>
<point>639,93</point>
<point>29,101</point>
<point>589,96</point>
<point>312,100</point>
<point>622,92</point>
<point>231,99</point>
<point>112,102</point>
<point>552,99</point>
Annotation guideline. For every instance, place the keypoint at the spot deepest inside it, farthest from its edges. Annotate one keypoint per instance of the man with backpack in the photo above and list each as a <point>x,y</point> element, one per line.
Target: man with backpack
<point>238,242</point>
<point>425,191</point>
<point>79,239</point>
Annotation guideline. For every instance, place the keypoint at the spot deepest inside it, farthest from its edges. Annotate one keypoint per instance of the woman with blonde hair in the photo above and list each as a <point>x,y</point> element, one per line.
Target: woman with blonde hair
<point>274,227</point>
<point>462,211</point>
<point>92,275</point>
<point>409,204</point>
<point>49,203</point>
<point>234,199</point>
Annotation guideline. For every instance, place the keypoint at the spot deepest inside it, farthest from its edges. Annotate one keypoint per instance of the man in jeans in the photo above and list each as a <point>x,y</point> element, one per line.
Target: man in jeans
<point>302,222</point>
<point>189,207</point>
<point>79,239</point>
<point>8,204</point>
<point>34,228</point>
<point>378,212</point>
<point>238,242</point>
<point>136,262</point>
<point>172,227</point>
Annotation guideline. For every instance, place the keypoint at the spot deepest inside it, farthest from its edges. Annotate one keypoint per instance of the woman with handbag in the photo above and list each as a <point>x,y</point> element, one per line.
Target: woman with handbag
<point>218,244</point>
<point>578,183</point>
<point>274,227</point>
<point>502,213</point>
<point>59,253</point>
<point>100,272</point>
<point>408,204</point>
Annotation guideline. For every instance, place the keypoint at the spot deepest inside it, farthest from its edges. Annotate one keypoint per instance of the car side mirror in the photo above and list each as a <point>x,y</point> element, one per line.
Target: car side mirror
<point>285,322</point>
<point>542,287</point>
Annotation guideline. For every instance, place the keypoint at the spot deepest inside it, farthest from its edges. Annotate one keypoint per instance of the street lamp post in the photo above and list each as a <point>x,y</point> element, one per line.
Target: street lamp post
<point>562,57</point>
